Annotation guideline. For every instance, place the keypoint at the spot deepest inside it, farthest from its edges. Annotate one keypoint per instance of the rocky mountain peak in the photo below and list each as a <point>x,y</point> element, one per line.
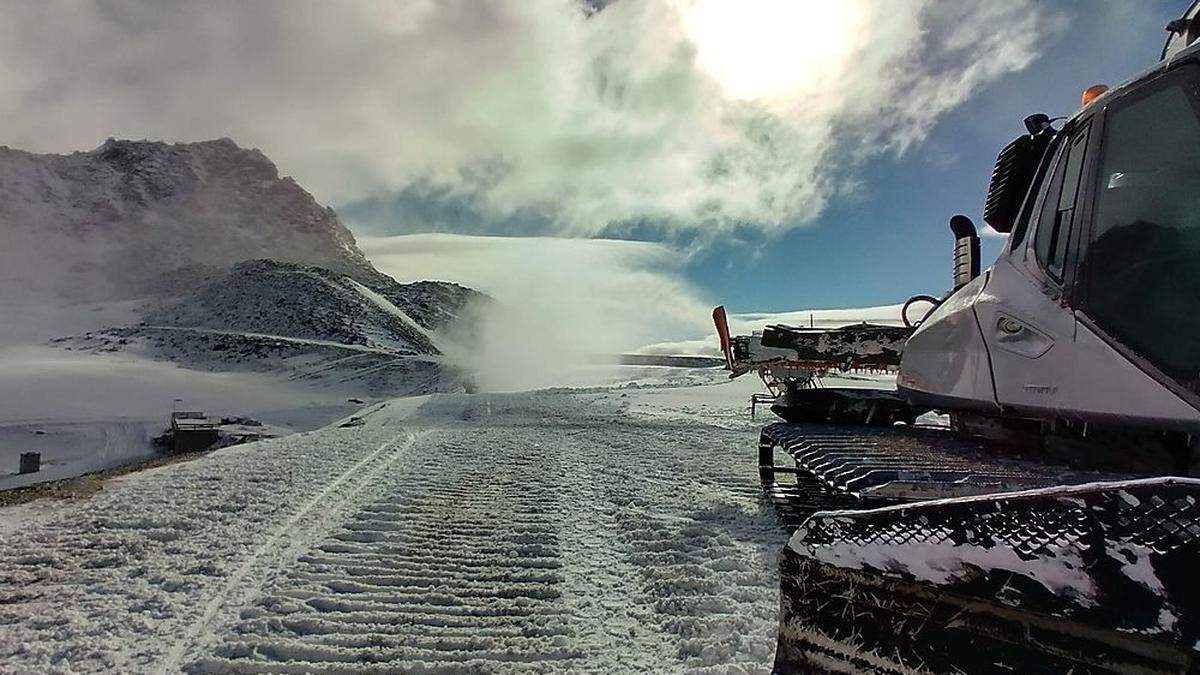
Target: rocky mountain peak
<point>112,222</point>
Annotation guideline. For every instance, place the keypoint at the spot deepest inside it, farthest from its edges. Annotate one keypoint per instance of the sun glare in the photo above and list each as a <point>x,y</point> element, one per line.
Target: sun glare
<point>772,49</point>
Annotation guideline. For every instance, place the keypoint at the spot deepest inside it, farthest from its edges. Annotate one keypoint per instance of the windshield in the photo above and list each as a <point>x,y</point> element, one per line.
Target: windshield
<point>1144,262</point>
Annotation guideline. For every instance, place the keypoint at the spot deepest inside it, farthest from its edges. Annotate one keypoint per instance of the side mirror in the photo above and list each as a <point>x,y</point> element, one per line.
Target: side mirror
<point>966,250</point>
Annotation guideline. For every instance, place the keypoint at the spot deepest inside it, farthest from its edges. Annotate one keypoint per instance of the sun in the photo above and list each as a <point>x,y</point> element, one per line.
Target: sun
<point>773,49</point>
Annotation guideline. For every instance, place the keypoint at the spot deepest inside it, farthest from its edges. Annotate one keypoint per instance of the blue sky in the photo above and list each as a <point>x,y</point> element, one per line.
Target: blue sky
<point>892,241</point>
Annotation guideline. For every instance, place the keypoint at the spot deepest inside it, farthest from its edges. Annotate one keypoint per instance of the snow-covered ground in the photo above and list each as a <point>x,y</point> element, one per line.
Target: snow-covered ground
<point>87,412</point>
<point>605,529</point>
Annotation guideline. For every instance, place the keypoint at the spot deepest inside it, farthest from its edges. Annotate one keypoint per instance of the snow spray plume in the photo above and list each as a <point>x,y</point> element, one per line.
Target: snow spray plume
<point>563,307</point>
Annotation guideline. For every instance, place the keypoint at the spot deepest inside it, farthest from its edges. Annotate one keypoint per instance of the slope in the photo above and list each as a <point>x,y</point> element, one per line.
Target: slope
<point>489,533</point>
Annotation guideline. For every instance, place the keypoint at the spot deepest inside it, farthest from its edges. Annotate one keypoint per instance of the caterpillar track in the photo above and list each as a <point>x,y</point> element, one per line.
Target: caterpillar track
<point>948,552</point>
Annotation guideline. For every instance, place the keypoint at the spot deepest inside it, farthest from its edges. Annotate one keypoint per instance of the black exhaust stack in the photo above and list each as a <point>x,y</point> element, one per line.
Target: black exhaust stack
<point>966,250</point>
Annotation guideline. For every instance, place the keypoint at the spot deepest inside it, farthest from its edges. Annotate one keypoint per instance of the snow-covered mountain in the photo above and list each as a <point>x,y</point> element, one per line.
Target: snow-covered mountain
<point>119,221</point>
<point>230,266</point>
<point>305,322</point>
<point>289,300</point>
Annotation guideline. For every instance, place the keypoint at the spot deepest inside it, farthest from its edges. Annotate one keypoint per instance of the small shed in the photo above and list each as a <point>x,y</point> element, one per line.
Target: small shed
<point>31,462</point>
<point>192,431</point>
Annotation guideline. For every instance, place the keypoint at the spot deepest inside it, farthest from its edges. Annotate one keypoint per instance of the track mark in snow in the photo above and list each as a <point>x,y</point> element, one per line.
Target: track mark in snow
<point>274,550</point>
<point>456,569</point>
<point>605,590</point>
<point>389,307</point>
<point>535,532</point>
<point>701,538</point>
<point>578,543</point>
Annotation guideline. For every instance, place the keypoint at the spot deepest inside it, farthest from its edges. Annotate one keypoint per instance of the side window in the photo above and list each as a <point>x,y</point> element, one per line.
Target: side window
<point>1027,217</point>
<point>1058,209</point>
<point>1045,220</point>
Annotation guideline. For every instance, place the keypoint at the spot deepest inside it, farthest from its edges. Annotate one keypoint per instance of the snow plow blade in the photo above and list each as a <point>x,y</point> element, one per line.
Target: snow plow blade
<point>1087,578</point>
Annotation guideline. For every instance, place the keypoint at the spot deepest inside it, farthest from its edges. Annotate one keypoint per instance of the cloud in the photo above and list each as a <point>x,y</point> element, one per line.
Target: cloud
<point>694,114</point>
<point>560,302</point>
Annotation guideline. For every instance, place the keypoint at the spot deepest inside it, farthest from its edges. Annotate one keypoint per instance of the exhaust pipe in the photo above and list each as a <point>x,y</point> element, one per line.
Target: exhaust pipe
<point>966,250</point>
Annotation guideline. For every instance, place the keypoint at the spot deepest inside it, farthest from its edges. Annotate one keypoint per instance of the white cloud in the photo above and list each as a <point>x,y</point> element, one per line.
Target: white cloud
<point>699,113</point>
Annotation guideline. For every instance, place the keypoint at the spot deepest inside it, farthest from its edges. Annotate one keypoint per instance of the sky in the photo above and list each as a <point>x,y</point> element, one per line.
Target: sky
<point>891,240</point>
<point>768,154</point>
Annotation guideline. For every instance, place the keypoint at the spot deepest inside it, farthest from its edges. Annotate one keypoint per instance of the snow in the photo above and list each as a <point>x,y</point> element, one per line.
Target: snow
<point>579,530</point>
<point>269,298</point>
<point>72,447</point>
<point>1064,573</point>
<point>391,309</point>
<point>171,238</point>
<point>1136,564</point>
<point>712,404</point>
<point>87,412</point>
<point>284,344</point>
<point>943,562</point>
<point>1057,490</point>
<point>124,218</point>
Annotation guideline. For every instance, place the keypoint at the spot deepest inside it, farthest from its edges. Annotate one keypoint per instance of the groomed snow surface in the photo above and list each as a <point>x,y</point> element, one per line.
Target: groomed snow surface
<point>560,530</point>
